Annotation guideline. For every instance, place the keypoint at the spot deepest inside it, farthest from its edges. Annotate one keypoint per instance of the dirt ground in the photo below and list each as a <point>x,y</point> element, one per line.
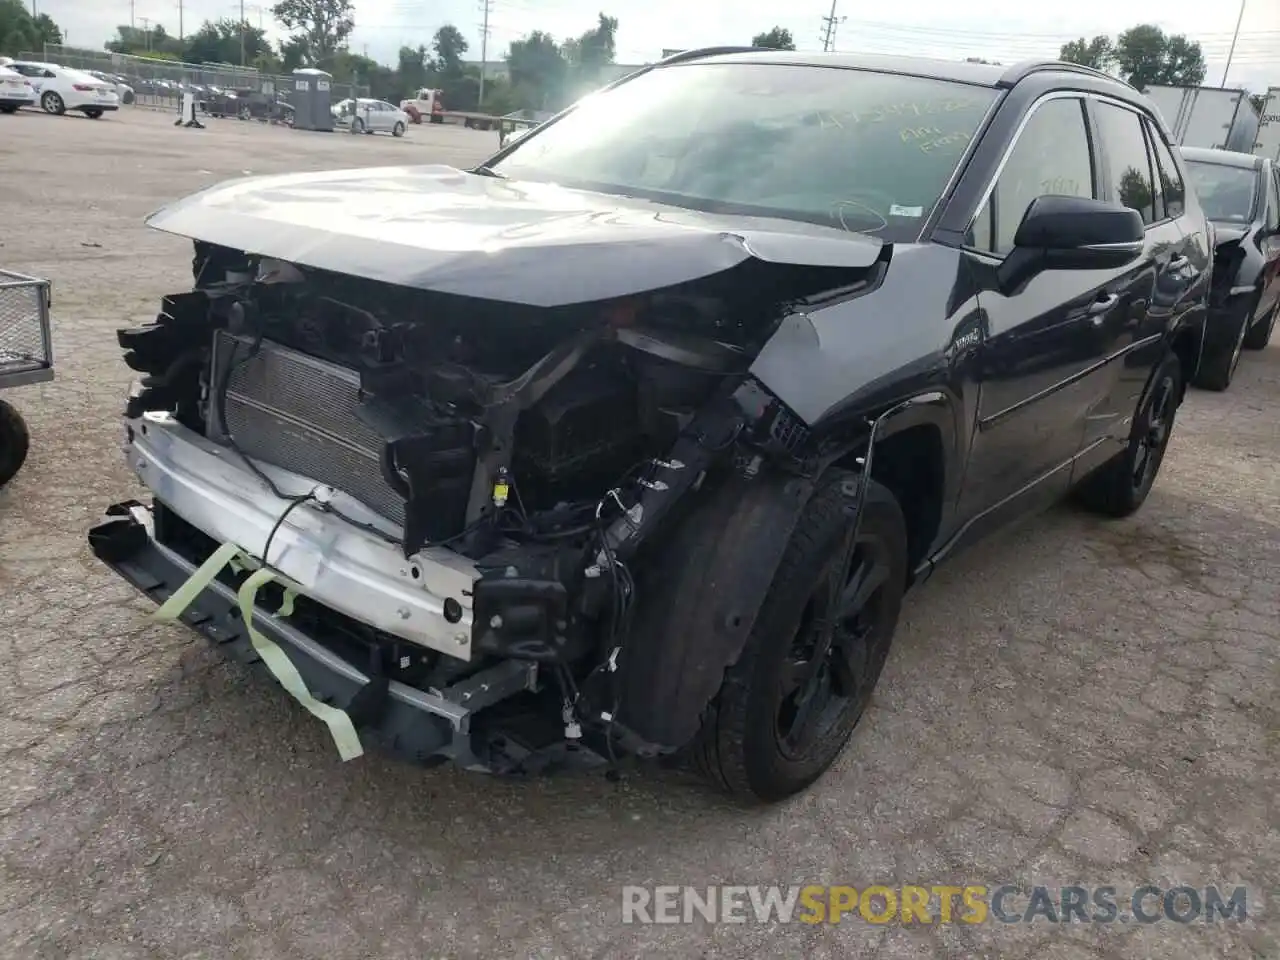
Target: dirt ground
<point>1076,702</point>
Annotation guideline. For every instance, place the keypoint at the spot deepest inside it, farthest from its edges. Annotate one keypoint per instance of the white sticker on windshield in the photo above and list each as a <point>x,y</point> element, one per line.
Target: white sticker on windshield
<point>897,211</point>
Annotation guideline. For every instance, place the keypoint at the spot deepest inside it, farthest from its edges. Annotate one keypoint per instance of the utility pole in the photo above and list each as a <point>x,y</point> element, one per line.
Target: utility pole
<point>242,33</point>
<point>132,24</point>
<point>486,6</point>
<point>146,28</point>
<point>829,31</point>
<point>181,34</point>
<point>1234,37</point>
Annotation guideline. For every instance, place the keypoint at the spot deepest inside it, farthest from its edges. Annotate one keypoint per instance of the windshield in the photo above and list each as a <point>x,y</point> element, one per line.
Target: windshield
<point>1226,193</point>
<point>867,152</point>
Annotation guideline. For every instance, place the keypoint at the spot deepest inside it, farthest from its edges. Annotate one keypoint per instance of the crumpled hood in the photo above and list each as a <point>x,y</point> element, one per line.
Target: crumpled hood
<point>438,228</point>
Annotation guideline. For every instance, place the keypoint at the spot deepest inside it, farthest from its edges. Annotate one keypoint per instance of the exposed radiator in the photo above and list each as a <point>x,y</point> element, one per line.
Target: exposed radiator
<point>299,412</point>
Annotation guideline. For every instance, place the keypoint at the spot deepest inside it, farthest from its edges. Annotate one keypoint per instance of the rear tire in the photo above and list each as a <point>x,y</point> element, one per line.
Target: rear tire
<point>15,441</point>
<point>8,109</point>
<point>51,102</point>
<point>1259,334</point>
<point>93,114</point>
<point>749,744</point>
<point>1120,486</point>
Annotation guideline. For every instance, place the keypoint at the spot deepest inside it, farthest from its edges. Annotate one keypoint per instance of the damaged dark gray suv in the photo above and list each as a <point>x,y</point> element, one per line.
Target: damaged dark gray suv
<point>629,441</point>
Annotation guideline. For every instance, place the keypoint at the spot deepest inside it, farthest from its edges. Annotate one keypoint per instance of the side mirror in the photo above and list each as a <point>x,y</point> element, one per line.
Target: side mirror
<point>1072,233</point>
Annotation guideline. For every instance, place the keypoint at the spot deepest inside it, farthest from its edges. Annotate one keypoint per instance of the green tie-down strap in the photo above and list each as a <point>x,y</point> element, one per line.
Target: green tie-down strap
<point>277,661</point>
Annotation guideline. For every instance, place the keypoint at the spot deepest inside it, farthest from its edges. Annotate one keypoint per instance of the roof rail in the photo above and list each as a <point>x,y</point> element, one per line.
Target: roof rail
<point>706,52</point>
<point>1024,69</point>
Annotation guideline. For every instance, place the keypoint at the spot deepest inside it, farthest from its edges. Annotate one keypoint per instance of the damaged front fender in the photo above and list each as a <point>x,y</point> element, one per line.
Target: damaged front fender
<point>704,599</point>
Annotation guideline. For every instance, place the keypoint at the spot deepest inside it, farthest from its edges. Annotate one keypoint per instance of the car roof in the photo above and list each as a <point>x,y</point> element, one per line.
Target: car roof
<point>960,71</point>
<point>1226,158</point>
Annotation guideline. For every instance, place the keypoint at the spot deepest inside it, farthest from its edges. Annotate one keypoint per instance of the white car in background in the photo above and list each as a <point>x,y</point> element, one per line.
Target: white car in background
<point>370,116</point>
<point>123,90</point>
<point>15,91</point>
<point>59,89</point>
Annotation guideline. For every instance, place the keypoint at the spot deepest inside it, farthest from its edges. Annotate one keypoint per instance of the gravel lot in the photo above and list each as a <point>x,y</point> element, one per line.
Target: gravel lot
<point>1078,702</point>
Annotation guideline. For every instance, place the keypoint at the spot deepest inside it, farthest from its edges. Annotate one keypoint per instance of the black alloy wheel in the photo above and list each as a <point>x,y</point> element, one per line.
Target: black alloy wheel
<point>1120,486</point>
<point>838,651</point>
<point>804,678</point>
<point>1153,439</point>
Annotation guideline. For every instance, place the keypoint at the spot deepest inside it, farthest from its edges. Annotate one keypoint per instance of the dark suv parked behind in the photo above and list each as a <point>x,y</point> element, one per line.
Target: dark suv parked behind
<point>1240,194</point>
<point>632,438</point>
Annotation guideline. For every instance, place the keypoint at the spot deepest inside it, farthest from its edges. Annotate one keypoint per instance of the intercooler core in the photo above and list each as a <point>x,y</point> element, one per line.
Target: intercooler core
<point>299,412</point>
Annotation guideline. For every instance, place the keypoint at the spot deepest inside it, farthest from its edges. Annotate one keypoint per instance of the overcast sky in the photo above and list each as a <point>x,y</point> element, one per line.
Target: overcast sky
<point>1003,30</point>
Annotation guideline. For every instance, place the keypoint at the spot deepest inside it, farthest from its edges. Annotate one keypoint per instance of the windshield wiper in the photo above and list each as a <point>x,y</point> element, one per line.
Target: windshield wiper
<point>485,171</point>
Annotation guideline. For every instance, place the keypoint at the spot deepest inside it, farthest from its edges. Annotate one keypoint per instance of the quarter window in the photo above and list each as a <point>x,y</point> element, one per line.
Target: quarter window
<point>1051,157</point>
<point>1127,159</point>
<point>1169,186</point>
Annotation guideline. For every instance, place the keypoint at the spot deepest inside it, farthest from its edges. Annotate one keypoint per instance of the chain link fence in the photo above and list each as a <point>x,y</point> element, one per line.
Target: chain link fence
<point>221,89</point>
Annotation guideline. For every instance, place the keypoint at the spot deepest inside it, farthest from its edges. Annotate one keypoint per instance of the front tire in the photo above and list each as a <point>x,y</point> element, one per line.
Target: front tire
<point>1218,367</point>
<point>357,126</point>
<point>789,705</point>
<point>1120,486</point>
<point>398,129</point>
<point>51,102</point>
<point>1259,334</point>
<point>15,441</point>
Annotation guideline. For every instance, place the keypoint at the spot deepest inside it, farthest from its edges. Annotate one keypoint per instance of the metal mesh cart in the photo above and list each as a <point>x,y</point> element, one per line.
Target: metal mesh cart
<point>26,356</point>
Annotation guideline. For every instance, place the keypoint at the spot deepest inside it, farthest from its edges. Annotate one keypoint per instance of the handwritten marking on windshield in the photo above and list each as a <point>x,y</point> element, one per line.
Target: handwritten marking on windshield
<point>943,141</point>
<point>840,118</point>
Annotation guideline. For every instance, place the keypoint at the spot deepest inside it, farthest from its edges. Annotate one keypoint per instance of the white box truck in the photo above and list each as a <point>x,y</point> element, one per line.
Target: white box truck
<point>1207,117</point>
<point>1267,143</point>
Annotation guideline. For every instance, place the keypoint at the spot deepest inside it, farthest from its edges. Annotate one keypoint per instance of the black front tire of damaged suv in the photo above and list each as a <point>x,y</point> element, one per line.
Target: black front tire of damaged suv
<point>14,442</point>
<point>749,744</point>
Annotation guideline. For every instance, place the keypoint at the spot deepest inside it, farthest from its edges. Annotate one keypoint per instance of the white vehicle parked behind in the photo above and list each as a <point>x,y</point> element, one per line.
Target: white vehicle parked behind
<point>371,116</point>
<point>121,86</point>
<point>59,89</point>
<point>15,91</point>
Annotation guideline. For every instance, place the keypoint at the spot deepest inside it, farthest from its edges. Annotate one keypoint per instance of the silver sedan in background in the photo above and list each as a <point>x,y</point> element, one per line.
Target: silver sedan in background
<point>366,115</point>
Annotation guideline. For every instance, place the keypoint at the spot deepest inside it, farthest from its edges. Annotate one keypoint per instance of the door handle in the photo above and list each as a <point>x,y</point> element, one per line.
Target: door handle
<point>1097,311</point>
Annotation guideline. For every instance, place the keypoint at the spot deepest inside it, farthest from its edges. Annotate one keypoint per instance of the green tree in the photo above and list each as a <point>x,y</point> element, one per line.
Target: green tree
<point>411,69</point>
<point>449,45</point>
<point>46,30</point>
<point>294,53</point>
<point>1097,53</point>
<point>537,70</point>
<point>324,25</point>
<point>1146,56</point>
<point>219,42</point>
<point>21,33</point>
<point>779,38</point>
<point>154,42</point>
